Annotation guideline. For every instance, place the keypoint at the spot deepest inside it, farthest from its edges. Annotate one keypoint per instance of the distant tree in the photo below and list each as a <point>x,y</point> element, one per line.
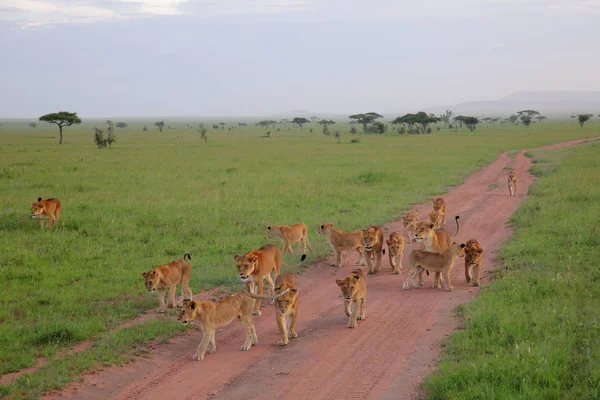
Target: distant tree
<point>526,116</point>
<point>160,125</point>
<point>378,128</point>
<point>285,121</point>
<point>33,124</point>
<point>61,118</point>
<point>110,135</point>
<point>459,121</point>
<point>315,120</point>
<point>99,137</point>
<point>471,123</point>
<point>325,123</point>
<point>365,119</point>
<point>266,123</point>
<point>110,123</point>
<point>540,118</point>
<point>338,136</point>
<point>121,125</point>
<point>513,119</point>
<point>583,118</point>
<point>202,131</point>
<point>486,119</point>
<point>222,125</point>
<point>300,121</point>
<point>241,124</point>
<point>494,120</point>
<point>311,130</point>
<point>145,129</point>
<point>353,130</point>
<point>423,119</point>
<point>525,119</point>
<point>104,141</point>
<point>446,118</point>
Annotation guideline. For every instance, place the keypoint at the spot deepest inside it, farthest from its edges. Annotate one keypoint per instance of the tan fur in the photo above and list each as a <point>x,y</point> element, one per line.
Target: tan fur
<point>341,241</point>
<point>256,266</point>
<point>436,219</point>
<point>297,233</point>
<point>434,240</point>
<point>372,239</point>
<point>354,292</point>
<point>410,221</point>
<point>167,277</point>
<point>439,205</point>
<point>395,251</point>
<point>419,260</point>
<point>512,184</point>
<point>48,209</point>
<point>213,315</point>
<point>473,262</point>
<point>286,308</point>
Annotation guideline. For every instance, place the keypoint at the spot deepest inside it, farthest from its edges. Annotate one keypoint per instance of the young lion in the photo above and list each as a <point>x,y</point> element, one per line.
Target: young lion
<point>354,290</point>
<point>439,205</point>
<point>419,260</point>
<point>286,306</point>
<point>297,233</point>
<point>395,250</point>
<point>49,209</point>
<point>512,184</point>
<point>372,239</point>
<point>473,261</point>
<point>341,241</point>
<point>436,218</point>
<point>213,315</point>
<point>168,276</point>
<point>410,221</point>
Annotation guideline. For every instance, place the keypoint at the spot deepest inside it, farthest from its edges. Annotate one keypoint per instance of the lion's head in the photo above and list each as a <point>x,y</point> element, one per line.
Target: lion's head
<point>436,218</point>
<point>188,311</point>
<point>273,231</point>
<point>370,238</point>
<point>246,265</point>
<point>411,217</point>
<point>284,303</point>
<point>438,204</point>
<point>38,208</point>
<point>324,227</point>
<point>151,279</point>
<point>425,230</point>
<point>349,285</point>
<point>458,249</point>
<point>473,255</point>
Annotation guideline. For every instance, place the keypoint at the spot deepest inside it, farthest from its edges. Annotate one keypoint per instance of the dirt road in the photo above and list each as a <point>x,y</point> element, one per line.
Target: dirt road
<point>386,357</point>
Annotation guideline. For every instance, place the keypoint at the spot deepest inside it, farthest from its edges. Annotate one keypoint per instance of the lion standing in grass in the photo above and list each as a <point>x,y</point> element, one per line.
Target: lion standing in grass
<point>297,233</point>
<point>167,277</point>
<point>341,241</point>
<point>48,209</point>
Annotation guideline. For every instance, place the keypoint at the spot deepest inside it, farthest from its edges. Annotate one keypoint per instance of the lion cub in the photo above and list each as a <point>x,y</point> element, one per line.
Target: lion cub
<point>395,250</point>
<point>410,221</point>
<point>473,261</point>
<point>286,306</point>
<point>419,260</point>
<point>354,290</point>
<point>168,276</point>
<point>439,206</point>
<point>48,209</point>
<point>341,241</point>
<point>297,233</point>
<point>512,184</point>
<point>372,239</point>
<point>436,219</point>
<point>213,315</point>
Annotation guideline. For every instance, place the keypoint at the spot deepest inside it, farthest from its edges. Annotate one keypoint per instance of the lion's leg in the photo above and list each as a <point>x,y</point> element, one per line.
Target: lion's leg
<point>172,291</point>
<point>281,324</point>
<point>212,346</point>
<point>160,294</point>
<point>259,291</point>
<point>41,223</point>
<point>347,307</point>
<point>250,333</point>
<point>419,272</point>
<point>338,256</point>
<point>353,317</point>
<point>48,221</point>
<point>254,335</point>
<point>370,265</point>
<point>378,256</point>
<point>477,279</point>
<point>363,309</point>
<point>287,248</point>
<point>436,281</point>
<point>407,277</point>
<point>447,283</point>
<point>206,339</point>
<point>293,316</point>
<point>413,275</point>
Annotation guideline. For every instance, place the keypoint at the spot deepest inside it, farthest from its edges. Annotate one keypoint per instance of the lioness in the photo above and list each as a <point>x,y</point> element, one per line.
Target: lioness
<point>286,306</point>
<point>372,239</point>
<point>256,266</point>
<point>419,260</point>
<point>341,241</point>
<point>168,276</point>
<point>297,233</point>
<point>213,315</point>
<point>512,184</point>
<point>354,290</point>
<point>473,261</point>
<point>439,205</point>
<point>410,221</point>
<point>395,250</point>
<point>434,240</point>
<point>48,209</point>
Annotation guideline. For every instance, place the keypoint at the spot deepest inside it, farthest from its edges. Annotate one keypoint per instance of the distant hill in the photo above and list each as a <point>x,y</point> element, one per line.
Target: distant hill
<point>546,102</point>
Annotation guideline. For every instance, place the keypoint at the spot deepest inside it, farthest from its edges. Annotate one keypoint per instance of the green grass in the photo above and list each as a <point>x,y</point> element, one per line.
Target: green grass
<point>154,196</point>
<point>534,333</point>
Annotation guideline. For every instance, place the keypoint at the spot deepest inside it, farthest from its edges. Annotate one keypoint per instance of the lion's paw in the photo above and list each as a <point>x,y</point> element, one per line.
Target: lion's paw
<point>282,343</point>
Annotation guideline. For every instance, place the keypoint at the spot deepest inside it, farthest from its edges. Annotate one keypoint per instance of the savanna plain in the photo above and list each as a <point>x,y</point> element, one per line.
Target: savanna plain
<point>154,195</point>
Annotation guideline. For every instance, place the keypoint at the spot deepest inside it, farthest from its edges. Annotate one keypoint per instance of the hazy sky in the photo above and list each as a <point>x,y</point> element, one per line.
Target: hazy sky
<point>110,58</point>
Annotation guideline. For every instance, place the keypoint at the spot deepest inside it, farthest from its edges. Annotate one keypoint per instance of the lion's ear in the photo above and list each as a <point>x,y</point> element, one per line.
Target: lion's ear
<point>39,199</point>
<point>269,227</point>
<point>389,242</point>
<point>144,274</point>
<point>193,305</point>
<point>253,258</point>
<point>479,251</point>
<point>293,291</point>
<point>339,282</point>
<point>356,277</point>
<point>462,246</point>
<point>236,257</point>
<point>431,226</point>
<point>33,204</point>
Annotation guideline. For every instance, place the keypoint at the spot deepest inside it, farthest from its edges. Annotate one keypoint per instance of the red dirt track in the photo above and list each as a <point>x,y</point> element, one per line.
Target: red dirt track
<point>386,357</point>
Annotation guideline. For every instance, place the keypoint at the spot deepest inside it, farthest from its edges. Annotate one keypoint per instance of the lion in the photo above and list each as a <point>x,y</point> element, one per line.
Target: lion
<point>341,241</point>
<point>372,239</point>
<point>354,291</point>
<point>168,276</point>
<point>473,262</point>
<point>420,260</point>
<point>297,233</point>
<point>395,251</point>
<point>434,240</point>
<point>256,266</point>
<point>213,315</point>
<point>436,218</point>
<point>286,307</point>
<point>512,184</point>
<point>439,205</point>
<point>48,209</point>
<point>410,221</point>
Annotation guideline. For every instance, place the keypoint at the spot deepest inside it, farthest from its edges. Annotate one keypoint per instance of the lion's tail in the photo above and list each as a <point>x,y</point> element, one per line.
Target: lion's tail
<point>188,255</point>
<point>297,265</point>
<point>457,225</point>
<point>266,297</point>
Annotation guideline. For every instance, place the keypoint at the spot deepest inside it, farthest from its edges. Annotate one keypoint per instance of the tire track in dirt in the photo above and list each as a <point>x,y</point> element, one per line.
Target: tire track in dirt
<point>387,356</point>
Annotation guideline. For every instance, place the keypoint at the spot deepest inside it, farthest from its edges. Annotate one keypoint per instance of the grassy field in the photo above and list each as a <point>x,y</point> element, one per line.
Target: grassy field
<point>534,333</point>
<point>154,196</point>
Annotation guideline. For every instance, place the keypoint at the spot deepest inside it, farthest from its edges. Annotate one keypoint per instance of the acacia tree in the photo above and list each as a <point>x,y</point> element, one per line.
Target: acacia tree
<point>460,120</point>
<point>446,117</point>
<point>266,123</point>
<point>527,116</point>
<point>121,125</point>
<point>326,123</point>
<point>300,121</point>
<point>160,125</point>
<point>61,118</point>
<point>365,119</point>
<point>315,119</point>
<point>583,118</point>
<point>424,119</point>
<point>202,131</point>
<point>33,124</point>
<point>471,123</point>
<point>513,119</point>
<point>407,121</point>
